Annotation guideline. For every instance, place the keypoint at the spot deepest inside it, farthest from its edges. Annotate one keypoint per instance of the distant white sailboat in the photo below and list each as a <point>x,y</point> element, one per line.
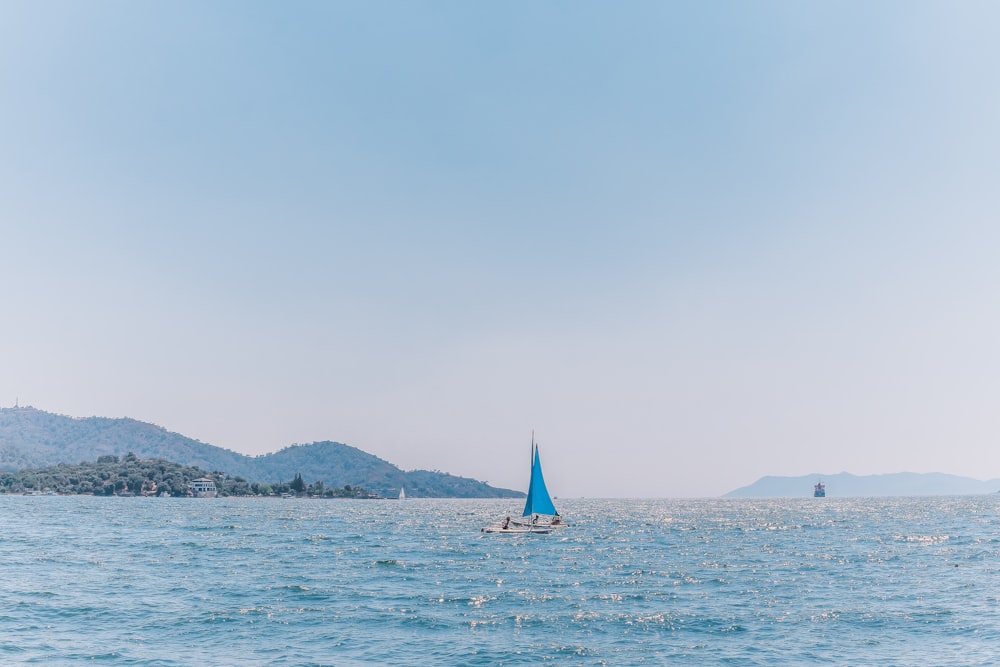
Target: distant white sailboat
<point>402,493</point>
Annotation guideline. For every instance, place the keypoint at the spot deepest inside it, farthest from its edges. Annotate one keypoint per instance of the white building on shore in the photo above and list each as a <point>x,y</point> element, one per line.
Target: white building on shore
<point>203,487</point>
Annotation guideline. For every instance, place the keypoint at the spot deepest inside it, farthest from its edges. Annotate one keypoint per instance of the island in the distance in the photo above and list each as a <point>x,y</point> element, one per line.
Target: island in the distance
<point>35,439</point>
<point>845,484</point>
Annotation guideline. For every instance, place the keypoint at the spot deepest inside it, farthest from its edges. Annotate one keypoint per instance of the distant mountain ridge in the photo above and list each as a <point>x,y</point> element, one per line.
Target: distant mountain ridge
<point>845,484</point>
<point>32,438</point>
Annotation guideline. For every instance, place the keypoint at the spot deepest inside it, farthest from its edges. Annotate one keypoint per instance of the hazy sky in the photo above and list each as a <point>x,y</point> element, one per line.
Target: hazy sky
<point>689,244</point>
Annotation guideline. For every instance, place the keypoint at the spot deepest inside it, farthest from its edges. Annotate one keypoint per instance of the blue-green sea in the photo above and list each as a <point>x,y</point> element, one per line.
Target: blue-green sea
<point>137,581</point>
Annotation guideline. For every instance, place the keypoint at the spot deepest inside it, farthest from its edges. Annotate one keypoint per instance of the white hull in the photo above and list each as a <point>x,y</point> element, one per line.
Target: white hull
<point>524,530</point>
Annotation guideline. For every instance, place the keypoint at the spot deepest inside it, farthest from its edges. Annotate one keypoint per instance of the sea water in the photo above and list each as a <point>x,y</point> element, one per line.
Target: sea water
<point>144,581</point>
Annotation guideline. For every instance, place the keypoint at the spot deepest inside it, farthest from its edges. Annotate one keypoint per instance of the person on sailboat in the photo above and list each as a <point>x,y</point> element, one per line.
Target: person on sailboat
<point>506,522</point>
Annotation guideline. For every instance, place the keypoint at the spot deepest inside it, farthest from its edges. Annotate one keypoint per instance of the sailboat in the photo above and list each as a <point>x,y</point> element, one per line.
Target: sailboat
<point>540,514</point>
<point>402,493</point>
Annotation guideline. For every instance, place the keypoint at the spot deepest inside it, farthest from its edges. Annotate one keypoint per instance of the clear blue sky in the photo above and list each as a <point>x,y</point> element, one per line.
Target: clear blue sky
<point>689,244</point>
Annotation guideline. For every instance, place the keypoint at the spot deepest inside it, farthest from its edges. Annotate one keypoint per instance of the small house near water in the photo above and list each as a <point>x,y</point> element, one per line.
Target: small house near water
<point>203,487</point>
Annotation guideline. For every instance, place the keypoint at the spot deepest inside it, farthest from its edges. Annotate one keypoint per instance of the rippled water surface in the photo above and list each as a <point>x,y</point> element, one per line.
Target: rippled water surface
<point>137,581</point>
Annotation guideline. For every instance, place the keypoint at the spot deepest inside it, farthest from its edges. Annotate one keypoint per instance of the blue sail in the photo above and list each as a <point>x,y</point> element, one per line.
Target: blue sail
<point>538,501</point>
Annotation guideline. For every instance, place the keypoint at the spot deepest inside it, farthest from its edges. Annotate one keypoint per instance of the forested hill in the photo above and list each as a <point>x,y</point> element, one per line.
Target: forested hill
<point>31,438</point>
